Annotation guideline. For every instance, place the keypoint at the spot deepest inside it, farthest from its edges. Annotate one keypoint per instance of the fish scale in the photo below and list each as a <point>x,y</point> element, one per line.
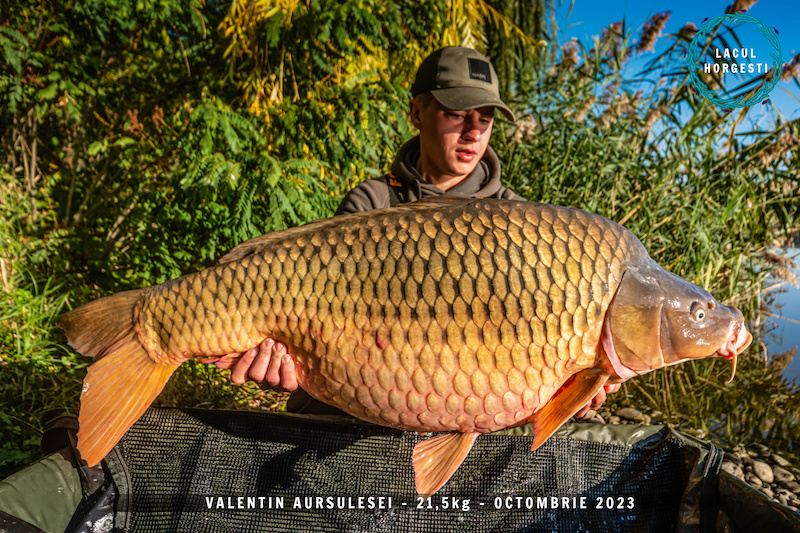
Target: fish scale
<point>468,320</point>
<point>447,315</point>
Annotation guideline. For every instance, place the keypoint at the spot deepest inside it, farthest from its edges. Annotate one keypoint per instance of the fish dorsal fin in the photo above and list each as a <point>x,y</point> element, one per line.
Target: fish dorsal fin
<point>567,401</point>
<point>438,202</point>
<point>256,244</point>
<point>436,459</point>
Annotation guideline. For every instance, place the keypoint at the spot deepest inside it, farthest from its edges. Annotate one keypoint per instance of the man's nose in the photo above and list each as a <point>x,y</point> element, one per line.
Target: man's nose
<point>472,128</point>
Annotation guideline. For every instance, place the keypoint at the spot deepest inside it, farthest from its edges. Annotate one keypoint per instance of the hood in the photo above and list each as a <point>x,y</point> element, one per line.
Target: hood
<point>483,182</point>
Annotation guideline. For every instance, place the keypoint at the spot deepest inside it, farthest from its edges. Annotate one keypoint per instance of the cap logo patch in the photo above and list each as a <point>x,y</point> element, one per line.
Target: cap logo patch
<point>479,70</point>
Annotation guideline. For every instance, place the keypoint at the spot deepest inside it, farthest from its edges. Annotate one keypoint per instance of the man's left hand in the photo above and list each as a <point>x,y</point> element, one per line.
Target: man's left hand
<point>268,364</point>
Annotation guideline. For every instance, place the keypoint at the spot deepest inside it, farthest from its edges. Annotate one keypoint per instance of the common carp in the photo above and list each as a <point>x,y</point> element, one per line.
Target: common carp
<point>445,315</point>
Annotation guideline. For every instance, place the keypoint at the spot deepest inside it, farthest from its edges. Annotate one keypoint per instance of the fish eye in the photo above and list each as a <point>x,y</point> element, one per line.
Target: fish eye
<point>698,312</point>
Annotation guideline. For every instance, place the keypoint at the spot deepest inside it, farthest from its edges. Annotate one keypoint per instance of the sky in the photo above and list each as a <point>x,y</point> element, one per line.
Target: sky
<point>587,18</point>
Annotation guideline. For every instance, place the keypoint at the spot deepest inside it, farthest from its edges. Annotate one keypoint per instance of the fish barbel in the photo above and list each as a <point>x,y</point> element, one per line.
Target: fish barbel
<point>444,315</point>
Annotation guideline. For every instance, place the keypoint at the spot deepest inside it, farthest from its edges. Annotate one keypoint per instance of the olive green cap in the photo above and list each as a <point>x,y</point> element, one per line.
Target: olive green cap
<point>460,78</point>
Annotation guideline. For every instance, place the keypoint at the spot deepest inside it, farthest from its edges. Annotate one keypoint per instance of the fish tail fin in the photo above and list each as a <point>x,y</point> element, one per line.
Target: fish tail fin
<point>122,382</point>
<point>116,391</point>
<point>97,327</point>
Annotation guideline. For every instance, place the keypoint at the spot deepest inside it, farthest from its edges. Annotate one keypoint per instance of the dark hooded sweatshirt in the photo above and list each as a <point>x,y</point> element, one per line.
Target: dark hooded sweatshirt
<point>483,182</point>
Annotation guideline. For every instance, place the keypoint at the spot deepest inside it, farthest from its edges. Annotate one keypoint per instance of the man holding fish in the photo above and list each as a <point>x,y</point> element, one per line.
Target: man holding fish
<point>442,316</point>
<point>455,94</point>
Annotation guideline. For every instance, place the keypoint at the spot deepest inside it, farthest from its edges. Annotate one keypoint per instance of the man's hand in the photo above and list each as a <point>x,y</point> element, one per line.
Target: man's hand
<point>598,399</point>
<point>268,364</point>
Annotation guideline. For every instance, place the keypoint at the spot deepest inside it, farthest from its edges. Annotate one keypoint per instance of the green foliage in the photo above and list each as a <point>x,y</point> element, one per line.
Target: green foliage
<point>135,153</point>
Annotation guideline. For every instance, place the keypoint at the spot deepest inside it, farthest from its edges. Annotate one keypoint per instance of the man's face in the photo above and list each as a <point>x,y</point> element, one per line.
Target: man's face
<point>452,142</point>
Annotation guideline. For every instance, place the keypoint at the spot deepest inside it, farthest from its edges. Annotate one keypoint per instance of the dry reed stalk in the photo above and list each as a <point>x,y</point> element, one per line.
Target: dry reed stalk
<point>612,35</point>
<point>652,30</point>
<point>791,69</point>
<point>570,57</point>
<point>740,6</point>
<point>688,31</point>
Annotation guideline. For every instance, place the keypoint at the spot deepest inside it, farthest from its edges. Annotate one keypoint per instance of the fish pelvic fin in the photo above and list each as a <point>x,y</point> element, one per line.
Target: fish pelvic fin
<point>435,460</point>
<point>567,401</point>
<point>95,328</point>
<point>116,391</point>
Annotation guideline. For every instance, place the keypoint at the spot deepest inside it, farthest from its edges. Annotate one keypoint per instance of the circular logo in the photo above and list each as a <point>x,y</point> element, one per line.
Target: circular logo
<point>698,46</point>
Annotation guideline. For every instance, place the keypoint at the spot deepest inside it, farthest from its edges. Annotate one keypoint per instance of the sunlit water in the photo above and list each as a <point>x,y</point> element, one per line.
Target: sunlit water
<point>786,334</point>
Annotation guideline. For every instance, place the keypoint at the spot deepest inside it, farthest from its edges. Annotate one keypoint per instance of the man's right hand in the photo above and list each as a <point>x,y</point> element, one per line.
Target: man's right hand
<point>268,364</point>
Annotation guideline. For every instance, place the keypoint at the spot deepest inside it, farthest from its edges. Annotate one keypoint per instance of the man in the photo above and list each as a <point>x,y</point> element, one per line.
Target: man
<point>455,94</point>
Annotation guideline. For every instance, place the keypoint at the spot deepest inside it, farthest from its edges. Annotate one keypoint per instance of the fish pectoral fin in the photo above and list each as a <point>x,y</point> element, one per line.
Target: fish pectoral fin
<point>436,459</point>
<point>567,401</point>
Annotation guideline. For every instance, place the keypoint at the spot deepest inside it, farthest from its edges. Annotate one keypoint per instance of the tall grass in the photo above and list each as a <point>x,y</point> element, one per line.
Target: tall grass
<point>708,201</point>
<point>40,380</point>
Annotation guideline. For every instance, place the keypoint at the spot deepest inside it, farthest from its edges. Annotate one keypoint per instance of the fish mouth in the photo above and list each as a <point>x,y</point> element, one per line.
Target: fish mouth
<point>733,347</point>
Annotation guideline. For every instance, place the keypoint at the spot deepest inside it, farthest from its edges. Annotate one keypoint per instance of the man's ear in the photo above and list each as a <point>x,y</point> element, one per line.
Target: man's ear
<point>415,111</point>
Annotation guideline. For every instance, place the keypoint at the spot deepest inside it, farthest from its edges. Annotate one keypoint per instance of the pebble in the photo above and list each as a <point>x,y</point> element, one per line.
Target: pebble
<point>763,471</point>
<point>733,458</point>
<point>780,461</point>
<point>753,480</point>
<point>733,469</point>
<point>699,433</point>
<point>757,465</point>
<point>793,486</point>
<point>782,474</point>
<point>629,413</point>
<point>741,454</point>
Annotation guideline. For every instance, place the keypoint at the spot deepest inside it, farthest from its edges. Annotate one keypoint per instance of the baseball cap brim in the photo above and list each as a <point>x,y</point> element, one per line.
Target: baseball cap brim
<point>462,98</point>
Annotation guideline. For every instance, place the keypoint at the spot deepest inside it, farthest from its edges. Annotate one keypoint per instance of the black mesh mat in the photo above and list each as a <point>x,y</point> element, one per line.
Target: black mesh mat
<point>192,470</point>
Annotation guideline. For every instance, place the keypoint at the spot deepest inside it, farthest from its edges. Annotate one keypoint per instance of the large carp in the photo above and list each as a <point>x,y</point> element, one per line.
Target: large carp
<point>445,315</point>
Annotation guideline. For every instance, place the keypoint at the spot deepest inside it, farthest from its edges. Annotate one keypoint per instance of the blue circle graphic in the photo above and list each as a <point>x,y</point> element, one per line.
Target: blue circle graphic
<point>695,47</point>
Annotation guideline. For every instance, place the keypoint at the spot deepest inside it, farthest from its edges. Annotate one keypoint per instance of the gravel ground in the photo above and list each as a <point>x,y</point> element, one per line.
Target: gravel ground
<point>759,467</point>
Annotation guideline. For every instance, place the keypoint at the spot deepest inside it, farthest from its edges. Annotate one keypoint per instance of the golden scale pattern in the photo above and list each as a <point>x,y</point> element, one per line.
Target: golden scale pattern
<point>462,319</point>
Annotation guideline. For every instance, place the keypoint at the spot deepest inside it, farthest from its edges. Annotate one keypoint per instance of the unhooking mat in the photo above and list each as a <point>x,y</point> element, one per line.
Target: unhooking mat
<point>232,471</point>
<point>220,471</point>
